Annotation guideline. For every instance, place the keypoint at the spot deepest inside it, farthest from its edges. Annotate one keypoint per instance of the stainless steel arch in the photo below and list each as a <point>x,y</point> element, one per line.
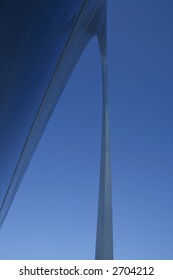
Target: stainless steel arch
<point>31,85</point>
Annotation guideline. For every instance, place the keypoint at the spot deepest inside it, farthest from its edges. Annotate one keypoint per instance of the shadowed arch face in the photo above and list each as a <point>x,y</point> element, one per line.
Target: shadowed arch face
<point>33,37</point>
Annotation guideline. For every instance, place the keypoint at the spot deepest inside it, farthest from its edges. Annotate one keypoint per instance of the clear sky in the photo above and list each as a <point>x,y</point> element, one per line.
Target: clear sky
<point>54,212</point>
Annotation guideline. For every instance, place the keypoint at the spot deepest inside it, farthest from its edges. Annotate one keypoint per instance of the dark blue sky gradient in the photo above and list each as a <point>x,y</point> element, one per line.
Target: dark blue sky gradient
<point>54,213</point>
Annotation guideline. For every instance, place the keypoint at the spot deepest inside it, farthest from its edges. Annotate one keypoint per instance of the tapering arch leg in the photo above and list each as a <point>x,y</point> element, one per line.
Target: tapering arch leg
<point>104,236</point>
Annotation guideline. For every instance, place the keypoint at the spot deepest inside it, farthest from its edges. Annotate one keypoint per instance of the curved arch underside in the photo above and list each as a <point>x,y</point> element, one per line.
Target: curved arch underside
<point>32,83</point>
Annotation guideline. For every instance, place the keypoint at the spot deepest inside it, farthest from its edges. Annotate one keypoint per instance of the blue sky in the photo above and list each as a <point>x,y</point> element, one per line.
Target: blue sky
<point>54,212</point>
